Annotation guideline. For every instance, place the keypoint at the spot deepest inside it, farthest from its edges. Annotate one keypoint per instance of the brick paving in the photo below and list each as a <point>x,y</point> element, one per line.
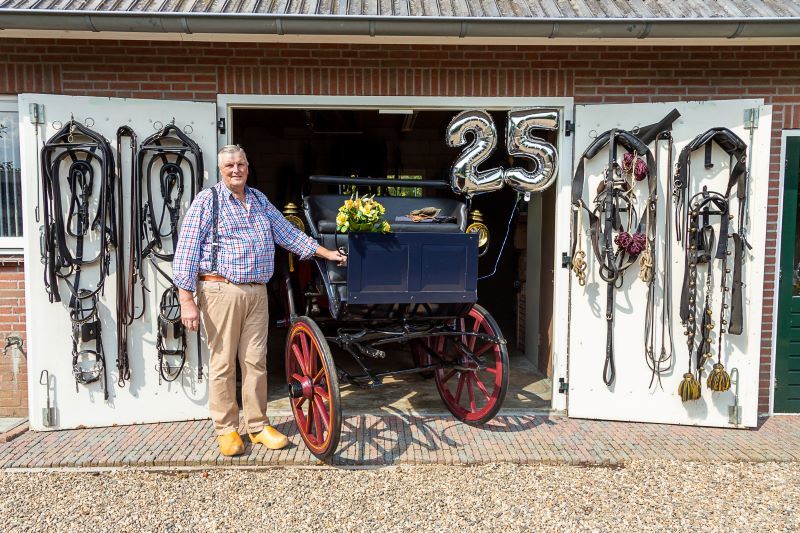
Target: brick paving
<point>403,439</point>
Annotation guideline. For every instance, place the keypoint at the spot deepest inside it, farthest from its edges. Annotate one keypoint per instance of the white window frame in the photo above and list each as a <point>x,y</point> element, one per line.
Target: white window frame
<point>11,245</point>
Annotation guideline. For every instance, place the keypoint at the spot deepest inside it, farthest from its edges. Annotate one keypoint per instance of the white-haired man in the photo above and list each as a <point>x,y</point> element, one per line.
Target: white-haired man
<point>230,283</point>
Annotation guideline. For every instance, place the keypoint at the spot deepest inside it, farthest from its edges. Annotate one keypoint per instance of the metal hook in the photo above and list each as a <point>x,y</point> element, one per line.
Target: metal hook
<point>86,122</point>
<point>46,375</point>
<point>12,340</point>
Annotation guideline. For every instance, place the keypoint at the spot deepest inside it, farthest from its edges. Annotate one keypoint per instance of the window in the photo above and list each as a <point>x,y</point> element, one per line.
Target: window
<point>406,191</point>
<point>10,178</point>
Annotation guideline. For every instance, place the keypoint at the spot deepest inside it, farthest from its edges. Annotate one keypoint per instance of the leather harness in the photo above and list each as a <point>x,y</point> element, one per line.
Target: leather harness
<point>613,201</point>
<point>162,158</point>
<point>91,163</point>
<point>702,246</point>
<point>636,240</point>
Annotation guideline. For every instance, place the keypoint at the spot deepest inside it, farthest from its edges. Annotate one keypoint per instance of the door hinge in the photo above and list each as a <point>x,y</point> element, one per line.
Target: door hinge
<point>36,113</point>
<point>569,128</point>
<point>221,125</point>
<point>563,386</point>
<point>751,118</point>
<point>566,260</point>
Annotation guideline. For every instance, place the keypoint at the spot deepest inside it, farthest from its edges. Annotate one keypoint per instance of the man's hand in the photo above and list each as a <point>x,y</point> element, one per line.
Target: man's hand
<point>190,314</point>
<point>332,255</point>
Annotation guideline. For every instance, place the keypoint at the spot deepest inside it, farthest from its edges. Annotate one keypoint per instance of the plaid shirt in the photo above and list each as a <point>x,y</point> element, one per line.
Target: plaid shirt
<point>246,252</point>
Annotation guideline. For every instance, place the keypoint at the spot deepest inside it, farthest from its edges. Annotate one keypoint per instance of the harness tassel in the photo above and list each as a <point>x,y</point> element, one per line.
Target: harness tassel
<point>719,380</point>
<point>689,388</point>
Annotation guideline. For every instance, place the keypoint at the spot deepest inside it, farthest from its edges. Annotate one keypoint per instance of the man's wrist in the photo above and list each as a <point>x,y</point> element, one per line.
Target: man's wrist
<point>185,296</point>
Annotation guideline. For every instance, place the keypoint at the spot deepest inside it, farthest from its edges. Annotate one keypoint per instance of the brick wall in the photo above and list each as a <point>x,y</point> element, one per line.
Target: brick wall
<point>13,368</point>
<point>199,71</point>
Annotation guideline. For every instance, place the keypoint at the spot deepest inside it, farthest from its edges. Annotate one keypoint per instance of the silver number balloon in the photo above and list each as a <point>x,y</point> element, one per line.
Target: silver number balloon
<point>465,178</point>
<point>522,142</point>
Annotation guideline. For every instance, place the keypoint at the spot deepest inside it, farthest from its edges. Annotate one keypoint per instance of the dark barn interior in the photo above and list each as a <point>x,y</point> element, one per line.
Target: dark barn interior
<point>285,146</point>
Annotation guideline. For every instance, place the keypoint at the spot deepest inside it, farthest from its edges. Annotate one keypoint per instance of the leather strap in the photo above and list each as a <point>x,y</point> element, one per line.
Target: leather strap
<point>736,324</point>
<point>212,277</point>
<point>214,229</point>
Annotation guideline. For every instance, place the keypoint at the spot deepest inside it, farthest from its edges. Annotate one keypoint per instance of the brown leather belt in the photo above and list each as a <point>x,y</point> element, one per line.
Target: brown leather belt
<point>220,279</point>
<point>212,277</point>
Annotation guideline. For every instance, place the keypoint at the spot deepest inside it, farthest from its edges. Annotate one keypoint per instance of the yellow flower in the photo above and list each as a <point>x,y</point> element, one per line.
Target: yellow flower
<point>363,211</point>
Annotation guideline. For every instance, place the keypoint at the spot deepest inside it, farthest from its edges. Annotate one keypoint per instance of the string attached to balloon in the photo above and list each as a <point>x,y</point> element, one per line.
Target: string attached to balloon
<point>505,239</point>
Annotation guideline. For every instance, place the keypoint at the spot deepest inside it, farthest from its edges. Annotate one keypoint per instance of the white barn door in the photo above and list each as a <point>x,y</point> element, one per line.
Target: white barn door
<point>631,397</point>
<point>143,399</point>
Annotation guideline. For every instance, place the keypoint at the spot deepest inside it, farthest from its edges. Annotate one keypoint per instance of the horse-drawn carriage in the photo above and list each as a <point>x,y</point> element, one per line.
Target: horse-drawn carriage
<point>413,289</point>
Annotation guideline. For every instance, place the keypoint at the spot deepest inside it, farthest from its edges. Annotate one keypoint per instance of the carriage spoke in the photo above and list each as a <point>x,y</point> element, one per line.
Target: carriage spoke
<point>440,342</point>
<point>323,412</point>
<point>482,387</point>
<point>300,419</point>
<point>317,424</point>
<point>448,376</point>
<point>319,374</point>
<point>299,357</point>
<point>298,402</point>
<point>309,418</point>
<point>305,352</point>
<point>312,361</point>
<point>471,392</point>
<point>483,349</point>
<point>475,329</point>
<point>460,388</point>
<point>322,393</point>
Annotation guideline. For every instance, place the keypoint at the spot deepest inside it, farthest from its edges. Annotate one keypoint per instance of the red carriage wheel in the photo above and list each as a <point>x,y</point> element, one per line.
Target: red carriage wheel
<point>313,388</point>
<point>472,394</point>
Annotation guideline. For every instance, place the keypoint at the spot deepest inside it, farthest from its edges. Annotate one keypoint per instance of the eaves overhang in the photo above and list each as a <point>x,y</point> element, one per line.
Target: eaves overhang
<point>34,22</point>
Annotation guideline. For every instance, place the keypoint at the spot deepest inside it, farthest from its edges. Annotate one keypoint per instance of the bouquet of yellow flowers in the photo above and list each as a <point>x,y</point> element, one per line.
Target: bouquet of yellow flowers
<point>362,214</point>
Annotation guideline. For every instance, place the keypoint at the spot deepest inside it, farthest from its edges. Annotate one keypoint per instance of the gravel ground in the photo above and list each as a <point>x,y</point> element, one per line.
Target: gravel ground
<point>507,497</point>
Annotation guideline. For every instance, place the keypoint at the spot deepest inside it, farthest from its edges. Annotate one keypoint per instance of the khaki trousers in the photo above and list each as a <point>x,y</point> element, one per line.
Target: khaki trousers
<point>236,320</point>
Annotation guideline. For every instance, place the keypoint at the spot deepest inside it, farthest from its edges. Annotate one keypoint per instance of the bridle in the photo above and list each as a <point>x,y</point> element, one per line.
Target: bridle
<point>702,246</point>
<point>161,161</point>
<point>614,202</point>
<point>91,163</point>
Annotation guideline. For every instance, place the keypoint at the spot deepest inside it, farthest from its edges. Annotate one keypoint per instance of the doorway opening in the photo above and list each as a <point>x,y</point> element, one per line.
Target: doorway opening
<point>286,146</point>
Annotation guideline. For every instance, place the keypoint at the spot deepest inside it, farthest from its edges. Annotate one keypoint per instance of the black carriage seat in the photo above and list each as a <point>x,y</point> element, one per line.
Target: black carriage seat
<point>321,210</point>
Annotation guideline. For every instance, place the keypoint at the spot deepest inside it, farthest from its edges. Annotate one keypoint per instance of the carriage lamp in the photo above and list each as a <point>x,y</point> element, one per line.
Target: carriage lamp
<point>292,214</point>
<point>476,225</point>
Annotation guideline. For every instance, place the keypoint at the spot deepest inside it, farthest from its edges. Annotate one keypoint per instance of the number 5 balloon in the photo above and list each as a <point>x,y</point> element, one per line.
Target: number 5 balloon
<point>521,142</point>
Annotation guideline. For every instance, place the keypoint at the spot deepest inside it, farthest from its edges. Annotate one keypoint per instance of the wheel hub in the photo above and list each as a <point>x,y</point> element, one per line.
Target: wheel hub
<point>302,388</point>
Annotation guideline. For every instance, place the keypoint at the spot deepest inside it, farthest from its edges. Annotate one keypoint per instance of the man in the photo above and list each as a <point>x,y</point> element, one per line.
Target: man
<point>233,296</point>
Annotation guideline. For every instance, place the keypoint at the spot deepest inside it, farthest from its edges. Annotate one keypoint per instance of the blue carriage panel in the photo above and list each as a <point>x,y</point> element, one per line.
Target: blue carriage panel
<point>412,268</point>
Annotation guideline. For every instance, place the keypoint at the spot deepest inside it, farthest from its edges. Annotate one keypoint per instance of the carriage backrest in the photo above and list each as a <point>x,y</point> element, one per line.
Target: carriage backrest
<point>321,209</point>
